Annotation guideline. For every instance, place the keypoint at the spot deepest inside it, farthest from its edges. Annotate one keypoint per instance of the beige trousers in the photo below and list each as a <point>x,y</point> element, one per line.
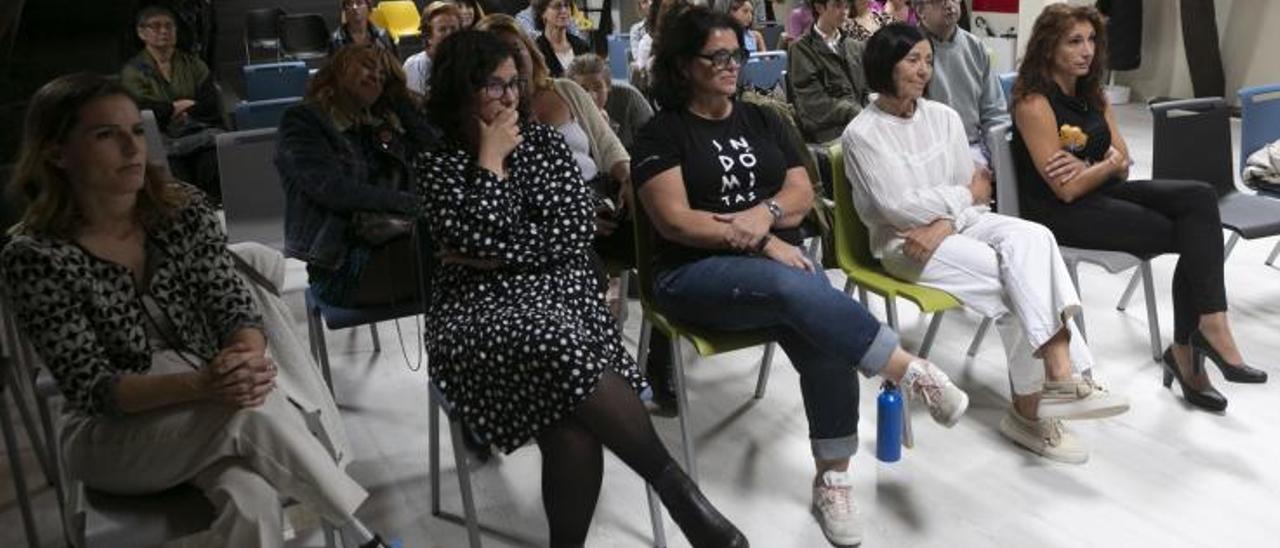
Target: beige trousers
<point>245,461</point>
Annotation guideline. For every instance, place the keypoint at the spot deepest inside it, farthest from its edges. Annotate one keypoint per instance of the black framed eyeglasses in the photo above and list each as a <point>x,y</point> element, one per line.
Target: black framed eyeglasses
<point>721,58</point>
<point>496,89</point>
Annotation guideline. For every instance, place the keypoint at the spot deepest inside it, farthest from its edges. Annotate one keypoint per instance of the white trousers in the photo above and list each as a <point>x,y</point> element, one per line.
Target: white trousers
<point>245,461</point>
<point>1011,270</point>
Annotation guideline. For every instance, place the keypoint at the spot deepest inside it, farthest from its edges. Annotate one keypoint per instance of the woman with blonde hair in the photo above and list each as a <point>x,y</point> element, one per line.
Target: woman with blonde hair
<point>122,279</point>
<point>343,156</point>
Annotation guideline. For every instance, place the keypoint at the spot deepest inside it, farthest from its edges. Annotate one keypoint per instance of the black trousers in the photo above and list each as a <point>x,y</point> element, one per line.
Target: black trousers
<point>1162,216</point>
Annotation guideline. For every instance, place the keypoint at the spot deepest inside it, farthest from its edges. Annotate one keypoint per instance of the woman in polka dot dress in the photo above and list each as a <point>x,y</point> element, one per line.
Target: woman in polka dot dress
<point>519,337</point>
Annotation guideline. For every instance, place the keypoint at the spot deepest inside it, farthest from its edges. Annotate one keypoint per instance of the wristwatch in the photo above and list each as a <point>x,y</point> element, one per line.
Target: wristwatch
<point>774,209</point>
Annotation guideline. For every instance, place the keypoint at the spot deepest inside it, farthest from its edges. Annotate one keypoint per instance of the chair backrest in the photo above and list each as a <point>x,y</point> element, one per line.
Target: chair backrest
<point>852,241</point>
<point>263,114</point>
<point>1004,169</point>
<point>304,35</point>
<point>772,33</point>
<point>252,194</point>
<point>1006,85</point>
<point>1259,119</point>
<point>1192,140</point>
<point>644,249</point>
<point>275,80</point>
<point>764,69</point>
<point>619,50</point>
<point>399,17</point>
<point>156,153</point>
<point>262,27</point>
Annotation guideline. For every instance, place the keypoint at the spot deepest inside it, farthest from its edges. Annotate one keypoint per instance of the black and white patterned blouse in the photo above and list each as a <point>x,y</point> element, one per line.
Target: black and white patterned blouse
<point>517,348</point>
<point>84,314</point>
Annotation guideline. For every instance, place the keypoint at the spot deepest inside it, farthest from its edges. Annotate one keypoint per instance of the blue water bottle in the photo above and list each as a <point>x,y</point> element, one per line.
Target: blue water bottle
<point>889,423</point>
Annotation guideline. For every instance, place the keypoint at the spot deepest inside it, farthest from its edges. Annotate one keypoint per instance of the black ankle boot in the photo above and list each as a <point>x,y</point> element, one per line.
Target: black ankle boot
<point>701,523</point>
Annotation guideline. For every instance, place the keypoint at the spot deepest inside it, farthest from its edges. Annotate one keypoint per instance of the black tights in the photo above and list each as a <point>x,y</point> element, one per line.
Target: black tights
<point>573,460</point>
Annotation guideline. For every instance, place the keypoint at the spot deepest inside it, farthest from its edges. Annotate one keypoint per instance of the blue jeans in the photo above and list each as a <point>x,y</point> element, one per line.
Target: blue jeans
<point>826,333</point>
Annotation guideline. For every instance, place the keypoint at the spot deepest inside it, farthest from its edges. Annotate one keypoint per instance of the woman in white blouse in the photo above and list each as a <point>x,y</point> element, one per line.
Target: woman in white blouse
<point>926,206</point>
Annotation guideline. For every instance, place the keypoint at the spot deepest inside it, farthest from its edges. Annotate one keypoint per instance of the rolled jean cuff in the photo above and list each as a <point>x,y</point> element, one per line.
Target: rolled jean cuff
<point>879,351</point>
<point>834,448</point>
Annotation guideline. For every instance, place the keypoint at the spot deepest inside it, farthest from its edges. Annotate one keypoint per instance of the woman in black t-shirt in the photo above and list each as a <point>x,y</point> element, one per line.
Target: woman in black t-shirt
<point>726,194</point>
<point>1073,167</point>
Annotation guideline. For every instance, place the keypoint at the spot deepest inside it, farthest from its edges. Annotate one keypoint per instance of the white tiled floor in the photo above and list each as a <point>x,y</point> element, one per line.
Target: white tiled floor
<point>1161,475</point>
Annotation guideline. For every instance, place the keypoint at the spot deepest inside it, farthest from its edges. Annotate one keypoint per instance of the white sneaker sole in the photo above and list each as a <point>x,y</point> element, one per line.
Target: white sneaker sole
<point>848,540</point>
<point>1086,409</point>
<point>1015,434</point>
<point>954,418</point>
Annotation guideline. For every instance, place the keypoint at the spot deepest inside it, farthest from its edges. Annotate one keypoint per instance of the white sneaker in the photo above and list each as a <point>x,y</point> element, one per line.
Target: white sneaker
<point>946,401</point>
<point>1079,398</point>
<point>834,508</point>
<point>1045,437</point>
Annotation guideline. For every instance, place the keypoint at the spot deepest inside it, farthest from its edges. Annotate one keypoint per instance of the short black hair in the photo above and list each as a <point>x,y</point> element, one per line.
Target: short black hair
<point>462,65</point>
<point>155,10</point>
<point>685,31</point>
<point>884,49</point>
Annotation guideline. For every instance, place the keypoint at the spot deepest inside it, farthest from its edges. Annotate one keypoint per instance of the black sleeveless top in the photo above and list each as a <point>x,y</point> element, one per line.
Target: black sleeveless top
<point>1082,130</point>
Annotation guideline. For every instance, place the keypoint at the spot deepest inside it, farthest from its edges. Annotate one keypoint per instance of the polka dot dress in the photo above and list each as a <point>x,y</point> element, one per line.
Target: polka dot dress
<point>515,349</point>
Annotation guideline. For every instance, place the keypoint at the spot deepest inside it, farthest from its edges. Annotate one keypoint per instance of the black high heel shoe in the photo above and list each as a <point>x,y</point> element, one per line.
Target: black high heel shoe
<point>701,523</point>
<point>1209,398</point>
<point>1200,348</point>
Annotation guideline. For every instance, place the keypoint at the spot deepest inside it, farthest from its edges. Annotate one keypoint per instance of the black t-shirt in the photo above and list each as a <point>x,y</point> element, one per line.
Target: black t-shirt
<point>728,165</point>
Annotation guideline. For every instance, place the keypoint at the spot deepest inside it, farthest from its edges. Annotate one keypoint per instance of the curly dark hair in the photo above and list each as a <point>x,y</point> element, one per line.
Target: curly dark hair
<point>1035,75</point>
<point>466,59</point>
<point>685,31</point>
<point>884,49</point>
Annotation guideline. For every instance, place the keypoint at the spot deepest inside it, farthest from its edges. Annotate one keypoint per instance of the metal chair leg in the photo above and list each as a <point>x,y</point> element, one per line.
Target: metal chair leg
<point>1074,270</point>
<point>978,337</point>
<point>38,437</point>
<point>642,347</point>
<point>1230,245</point>
<point>682,404</point>
<point>377,341</point>
<point>15,467</point>
<point>891,312</point>
<point>931,333</point>
<point>624,283</point>
<point>848,287</point>
<point>433,450</point>
<point>1153,314</point>
<point>318,346</point>
<point>464,484</point>
<point>766,364</point>
<point>1128,291</point>
<point>655,518</point>
<point>1275,251</point>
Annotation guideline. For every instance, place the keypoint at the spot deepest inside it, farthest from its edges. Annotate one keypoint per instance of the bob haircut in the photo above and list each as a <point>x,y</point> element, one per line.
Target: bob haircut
<point>884,49</point>
<point>51,209</point>
<point>467,59</point>
<point>685,32</point>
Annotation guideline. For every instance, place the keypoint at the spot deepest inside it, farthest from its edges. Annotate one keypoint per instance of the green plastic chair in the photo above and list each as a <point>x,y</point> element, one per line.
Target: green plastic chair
<point>853,254</point>
<point>706,342</point>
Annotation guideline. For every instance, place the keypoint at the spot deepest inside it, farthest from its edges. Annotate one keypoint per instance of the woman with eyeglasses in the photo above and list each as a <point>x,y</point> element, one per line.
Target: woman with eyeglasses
<point>726,197</point>
<point>520,340</point>
<point>355,28</point>
<point>556,44</point>
<point>179,89</point>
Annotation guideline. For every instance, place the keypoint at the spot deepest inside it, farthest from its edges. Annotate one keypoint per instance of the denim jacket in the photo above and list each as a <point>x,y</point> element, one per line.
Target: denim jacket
<point>327,178</point>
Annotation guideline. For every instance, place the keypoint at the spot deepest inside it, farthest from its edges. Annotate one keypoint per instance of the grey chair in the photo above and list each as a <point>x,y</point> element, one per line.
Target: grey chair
<point>252,194</point>
<point>1006,177</point>
<point>15,457</point>
<point>1192,140</point>
<point>157,154</point>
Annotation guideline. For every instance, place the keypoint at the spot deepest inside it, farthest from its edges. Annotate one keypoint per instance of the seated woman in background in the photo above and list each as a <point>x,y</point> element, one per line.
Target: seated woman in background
<point>924,201</point>
<point>122,280</point>
<point>178,87</point>
<point>470,11</point>
<point>521,344</point>
<point>355,28</point>
<point>439,20</point>
<point>744,12</point>
<point>1073,170</point>
<point>343,157</point>
<point>625,107</point>
<point>556,44</point>
<point>726,197</point>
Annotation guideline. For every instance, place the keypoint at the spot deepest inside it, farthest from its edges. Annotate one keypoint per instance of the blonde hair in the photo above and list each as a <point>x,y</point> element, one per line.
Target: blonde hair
<point>326,85</point>
<point>51,208</point>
